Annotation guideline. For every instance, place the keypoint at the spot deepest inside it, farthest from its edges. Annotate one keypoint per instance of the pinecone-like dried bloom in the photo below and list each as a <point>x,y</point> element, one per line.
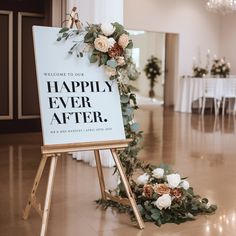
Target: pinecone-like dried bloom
<point>177,193</point>
<point>115,51</point>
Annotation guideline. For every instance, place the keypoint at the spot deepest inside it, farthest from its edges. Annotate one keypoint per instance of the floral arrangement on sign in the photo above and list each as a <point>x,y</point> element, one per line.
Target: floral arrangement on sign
<point>152,71</point>
<point>199,72</point>
<point>108,45</point>
<point>220,67</point>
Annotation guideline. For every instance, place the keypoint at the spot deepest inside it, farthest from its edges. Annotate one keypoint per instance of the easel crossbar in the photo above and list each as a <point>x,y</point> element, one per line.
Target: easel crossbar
<point>86,146</point>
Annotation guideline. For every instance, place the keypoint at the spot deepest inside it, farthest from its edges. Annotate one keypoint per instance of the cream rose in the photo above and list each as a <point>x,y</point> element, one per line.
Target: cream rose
<point>173,180</point>
<point>120,61</point>
<point>158,173</point>
<point>185,184</point>
<point>123,40</point>
<point>101,43</point>
<point>143,179</point>
<point>107,29</point>
<point>163,202</point>
<point>110,71</point>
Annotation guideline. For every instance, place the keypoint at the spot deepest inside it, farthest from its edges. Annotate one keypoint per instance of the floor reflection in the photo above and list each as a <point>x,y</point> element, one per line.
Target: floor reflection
<point>202,148</point>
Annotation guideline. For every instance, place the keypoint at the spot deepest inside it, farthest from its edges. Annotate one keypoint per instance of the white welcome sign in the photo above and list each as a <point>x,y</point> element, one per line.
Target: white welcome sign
<point>78,102</point>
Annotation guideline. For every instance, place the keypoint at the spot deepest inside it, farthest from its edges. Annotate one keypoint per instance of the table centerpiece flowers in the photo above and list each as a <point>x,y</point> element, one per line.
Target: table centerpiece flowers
<point>199,72</point>
<point>220,68</point>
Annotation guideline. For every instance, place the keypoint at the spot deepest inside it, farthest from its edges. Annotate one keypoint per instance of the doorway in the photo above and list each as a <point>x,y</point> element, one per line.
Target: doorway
<point>19,106</point>
<point>171,69</point>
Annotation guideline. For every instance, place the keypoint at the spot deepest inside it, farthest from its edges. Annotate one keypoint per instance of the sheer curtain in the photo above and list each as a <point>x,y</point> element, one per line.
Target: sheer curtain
<point>94,11</point>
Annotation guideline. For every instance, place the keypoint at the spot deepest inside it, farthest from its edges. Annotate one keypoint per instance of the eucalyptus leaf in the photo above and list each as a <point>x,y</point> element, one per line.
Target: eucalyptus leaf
<point>93,59</point>
<point>130,45</point>
<point>112,63</point>
<point>155,216</point>
<point>63,30</point>
<point>135,127</point>
<point>124,99</point>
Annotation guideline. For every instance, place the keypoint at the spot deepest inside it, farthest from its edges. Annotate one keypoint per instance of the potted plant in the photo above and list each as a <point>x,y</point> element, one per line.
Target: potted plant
<point>152,71</point>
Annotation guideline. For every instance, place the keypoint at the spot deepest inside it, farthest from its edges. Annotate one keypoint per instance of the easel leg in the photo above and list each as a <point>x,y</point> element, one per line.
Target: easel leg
<point>128,189</point>
<point>48,195</point>
<point>100,173</point>
<point>35,186</point>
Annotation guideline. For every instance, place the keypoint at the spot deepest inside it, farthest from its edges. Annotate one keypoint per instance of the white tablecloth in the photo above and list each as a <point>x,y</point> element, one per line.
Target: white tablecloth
<point>191,89</point>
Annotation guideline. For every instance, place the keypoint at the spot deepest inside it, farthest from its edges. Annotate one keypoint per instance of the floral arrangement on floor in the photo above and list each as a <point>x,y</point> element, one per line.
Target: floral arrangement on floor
<point>220,68</point>
<point>199,72</point>
<point>165,197</point>
<point>108,45</point>
<point>152,71</point>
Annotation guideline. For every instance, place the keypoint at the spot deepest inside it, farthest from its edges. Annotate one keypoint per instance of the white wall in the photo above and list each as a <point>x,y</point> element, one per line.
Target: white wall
<point>228,40</point>
<point>198,29</point>
<point>98,11</point>
<point>149,43</point>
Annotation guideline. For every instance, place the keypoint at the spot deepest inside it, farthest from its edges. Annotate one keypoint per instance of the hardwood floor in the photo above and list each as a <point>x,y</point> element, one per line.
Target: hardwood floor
<point>202,148</point>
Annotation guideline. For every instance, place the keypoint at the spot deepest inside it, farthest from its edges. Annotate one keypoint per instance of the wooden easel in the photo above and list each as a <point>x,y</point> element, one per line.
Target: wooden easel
<point>55,151</point>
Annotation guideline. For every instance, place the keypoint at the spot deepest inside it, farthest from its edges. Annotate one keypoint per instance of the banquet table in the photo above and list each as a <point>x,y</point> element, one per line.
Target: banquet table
<point>191,89</point>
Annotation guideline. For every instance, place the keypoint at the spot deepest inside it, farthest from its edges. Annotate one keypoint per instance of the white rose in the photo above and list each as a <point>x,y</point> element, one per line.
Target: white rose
<point>111,42</point>
<point>158,173</point>
<point>110,71</point>
<point>163,202</point>
<point>120,61</point>
<point>123,40</point>
<point>143,179</point>
<point>173,180</point>
<point>101,43</point>
<point>185,184</point>
<point>107,29</point>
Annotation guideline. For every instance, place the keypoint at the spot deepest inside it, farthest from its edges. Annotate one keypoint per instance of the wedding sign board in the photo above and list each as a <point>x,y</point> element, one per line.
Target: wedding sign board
<point>78,102</point>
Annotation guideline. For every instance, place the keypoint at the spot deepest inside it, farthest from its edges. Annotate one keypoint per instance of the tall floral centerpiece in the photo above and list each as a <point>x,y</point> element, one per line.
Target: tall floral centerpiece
<point>162,196</point>
<point>220,68</point>
<point>152,71</point>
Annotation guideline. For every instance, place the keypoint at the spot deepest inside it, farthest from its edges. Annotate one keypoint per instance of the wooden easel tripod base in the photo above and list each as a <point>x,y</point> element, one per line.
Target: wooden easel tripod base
<point>53,152</point>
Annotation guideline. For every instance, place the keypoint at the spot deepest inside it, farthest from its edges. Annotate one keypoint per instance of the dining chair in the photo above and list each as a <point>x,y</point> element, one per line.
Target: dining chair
<point>229,95</point>
<point>209,92</point>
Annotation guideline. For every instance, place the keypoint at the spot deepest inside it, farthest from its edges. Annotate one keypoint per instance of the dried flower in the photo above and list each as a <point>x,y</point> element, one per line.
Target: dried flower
<point>177,193</point>
<point>161,189</point>
<point>148,190</point>
<point>123,40</point>
<point>120,61</point>
<point>115,51</point>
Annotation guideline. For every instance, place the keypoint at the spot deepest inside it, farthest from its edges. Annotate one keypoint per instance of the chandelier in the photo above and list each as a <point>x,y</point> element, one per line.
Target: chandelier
<point>221,6</point>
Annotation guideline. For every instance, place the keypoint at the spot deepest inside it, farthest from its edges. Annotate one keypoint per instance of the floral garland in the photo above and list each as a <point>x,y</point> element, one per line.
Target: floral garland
<point>161,198</point>
<point>109,46</point>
